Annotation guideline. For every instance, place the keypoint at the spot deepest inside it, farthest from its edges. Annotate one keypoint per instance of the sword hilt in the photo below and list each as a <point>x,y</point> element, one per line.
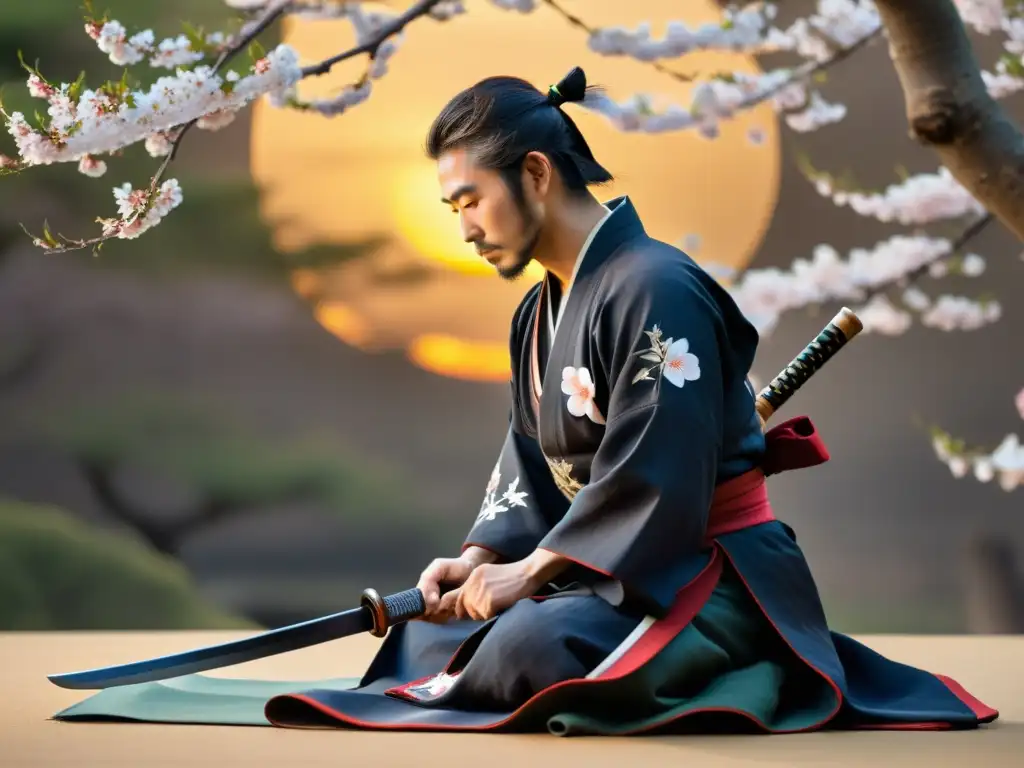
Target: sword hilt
<point>833,337</point>
<point>392,609</point>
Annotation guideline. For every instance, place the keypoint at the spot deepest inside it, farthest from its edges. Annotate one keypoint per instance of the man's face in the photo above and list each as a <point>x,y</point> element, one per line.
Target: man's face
<point>499,224</point>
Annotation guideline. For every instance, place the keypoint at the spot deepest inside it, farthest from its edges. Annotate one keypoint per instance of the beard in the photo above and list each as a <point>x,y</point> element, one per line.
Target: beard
<point>524,255</point>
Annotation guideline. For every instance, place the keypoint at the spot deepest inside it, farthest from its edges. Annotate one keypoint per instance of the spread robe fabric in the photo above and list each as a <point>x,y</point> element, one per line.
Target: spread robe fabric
<point>631,412</point>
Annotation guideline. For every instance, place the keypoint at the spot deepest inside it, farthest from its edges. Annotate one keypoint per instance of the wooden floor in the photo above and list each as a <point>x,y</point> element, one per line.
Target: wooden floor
<point>991,668</point>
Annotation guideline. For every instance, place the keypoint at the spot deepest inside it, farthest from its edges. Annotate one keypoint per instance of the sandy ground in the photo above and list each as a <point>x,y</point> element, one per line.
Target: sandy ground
<point>991,668</point>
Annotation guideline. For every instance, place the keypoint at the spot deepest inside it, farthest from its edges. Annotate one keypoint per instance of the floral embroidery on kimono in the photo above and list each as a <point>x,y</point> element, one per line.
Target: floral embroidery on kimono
<point>561,473</point>
<point>672,359</point>
<point>492,504</point>
<point>433,687</point>
<point>578,384</point>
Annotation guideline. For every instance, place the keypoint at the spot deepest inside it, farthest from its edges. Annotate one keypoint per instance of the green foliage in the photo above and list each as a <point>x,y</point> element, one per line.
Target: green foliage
<point>226,463</point>
<point>57,573</point>
<point>217,228</point>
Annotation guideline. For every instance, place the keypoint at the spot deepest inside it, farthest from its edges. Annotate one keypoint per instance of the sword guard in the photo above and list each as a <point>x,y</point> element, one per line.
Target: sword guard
<point>393,609</point>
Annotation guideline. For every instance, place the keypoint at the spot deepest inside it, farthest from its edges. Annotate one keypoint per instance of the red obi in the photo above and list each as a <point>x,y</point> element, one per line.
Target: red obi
<point>742,502</point>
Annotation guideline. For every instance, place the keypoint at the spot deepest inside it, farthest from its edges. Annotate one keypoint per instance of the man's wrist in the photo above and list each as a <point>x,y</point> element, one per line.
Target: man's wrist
<point>476,556</point>
<point>542,565</point>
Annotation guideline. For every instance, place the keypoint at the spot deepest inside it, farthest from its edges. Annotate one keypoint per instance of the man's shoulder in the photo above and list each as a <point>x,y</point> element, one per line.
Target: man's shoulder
<point>646,269</point>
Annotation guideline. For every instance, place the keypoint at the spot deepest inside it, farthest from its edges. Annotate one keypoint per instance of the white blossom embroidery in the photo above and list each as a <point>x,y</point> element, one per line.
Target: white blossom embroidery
<point>578,384</point>
<point>672,359</point>
<point>493,505</point>
<point>436,686</point>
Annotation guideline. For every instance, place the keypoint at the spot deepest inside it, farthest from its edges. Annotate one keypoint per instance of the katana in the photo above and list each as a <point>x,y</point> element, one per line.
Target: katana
<point>375,614</point>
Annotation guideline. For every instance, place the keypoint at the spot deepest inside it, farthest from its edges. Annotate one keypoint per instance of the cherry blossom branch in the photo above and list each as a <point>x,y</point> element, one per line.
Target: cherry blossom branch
<point>274,10</point>
<point>718,99</point>
<point>764,295</point>
<point>949,107</point>
<point>372,45</point>
<point>1005,461</point>
<point>593,32</point>
<point>141,209</point>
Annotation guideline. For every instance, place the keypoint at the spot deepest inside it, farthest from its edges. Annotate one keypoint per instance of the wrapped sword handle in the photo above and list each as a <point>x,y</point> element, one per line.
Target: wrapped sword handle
<point>833,337</point>
<point>392,609</point>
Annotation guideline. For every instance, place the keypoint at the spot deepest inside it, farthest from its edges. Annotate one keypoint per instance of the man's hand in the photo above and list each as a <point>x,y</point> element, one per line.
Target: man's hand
<point>449,572</point>
<point>491,589</point>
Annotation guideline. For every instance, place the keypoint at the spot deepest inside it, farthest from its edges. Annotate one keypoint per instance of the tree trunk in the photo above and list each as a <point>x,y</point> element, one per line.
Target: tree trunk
<point>993,589</point>
<point>949,109</point>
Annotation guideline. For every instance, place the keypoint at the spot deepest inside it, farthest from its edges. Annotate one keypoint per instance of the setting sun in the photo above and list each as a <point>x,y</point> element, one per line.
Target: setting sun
<point>364,174</point>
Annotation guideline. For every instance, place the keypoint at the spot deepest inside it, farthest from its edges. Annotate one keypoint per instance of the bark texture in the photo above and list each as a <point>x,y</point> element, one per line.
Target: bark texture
<point>949,108</point>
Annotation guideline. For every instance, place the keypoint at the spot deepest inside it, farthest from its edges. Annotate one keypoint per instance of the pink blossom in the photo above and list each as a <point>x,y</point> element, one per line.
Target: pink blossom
<point>579,385</point>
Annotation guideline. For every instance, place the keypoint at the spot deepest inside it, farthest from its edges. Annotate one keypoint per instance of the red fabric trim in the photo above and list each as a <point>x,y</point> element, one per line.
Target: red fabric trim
<point>578,562</point>
<point>687,604</point>
<point>826,678</point>
<point>905,727</point>
<point>982,711</point>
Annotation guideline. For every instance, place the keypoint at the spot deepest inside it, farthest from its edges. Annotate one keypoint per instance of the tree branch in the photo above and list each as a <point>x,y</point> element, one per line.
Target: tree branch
<point>974,229</point>
<point>577,22</point>
<point>246,35</point>
<point>422,8</point>
<point>949,108</point>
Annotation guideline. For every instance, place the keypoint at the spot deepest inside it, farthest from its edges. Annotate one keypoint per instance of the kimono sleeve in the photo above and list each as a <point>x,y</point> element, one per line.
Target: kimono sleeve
<point>520,501</point>
<point>641,517</point>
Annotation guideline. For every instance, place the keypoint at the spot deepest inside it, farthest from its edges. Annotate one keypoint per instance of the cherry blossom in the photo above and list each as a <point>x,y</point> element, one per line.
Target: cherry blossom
<point>919,199</point>
<point>670,357</point>
<point>764,294</point>
<point>578,384</point>
<point>1019,402</point>
<point>680,365</point>
<point>1005,463</point>
<point>137,215</point>
<point>112,38</point>
<point>493,505</point>
<point>98,122</point>
<point>83,124</point>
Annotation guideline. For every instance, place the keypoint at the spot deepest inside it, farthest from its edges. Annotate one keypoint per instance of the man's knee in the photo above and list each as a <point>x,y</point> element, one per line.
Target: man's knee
<point>535,645</point>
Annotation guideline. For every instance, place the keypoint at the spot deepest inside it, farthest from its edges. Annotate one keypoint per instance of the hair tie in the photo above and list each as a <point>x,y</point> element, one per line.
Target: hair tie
<point>555,96</point>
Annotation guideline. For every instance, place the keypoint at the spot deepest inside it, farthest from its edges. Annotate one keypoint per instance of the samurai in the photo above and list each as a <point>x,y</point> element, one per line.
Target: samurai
<point>625,572</point>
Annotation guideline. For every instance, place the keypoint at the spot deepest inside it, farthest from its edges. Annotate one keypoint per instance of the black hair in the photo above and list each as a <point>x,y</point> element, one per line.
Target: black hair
<point>501,119</point>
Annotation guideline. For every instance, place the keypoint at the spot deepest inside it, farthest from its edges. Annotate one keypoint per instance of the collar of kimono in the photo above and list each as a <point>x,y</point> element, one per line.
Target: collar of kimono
<point>552,320</point>
<point>620,225</point>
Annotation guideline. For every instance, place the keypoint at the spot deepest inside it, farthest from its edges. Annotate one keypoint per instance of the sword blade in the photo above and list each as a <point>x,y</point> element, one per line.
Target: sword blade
<point>376,614</point>
<point>273,642</point>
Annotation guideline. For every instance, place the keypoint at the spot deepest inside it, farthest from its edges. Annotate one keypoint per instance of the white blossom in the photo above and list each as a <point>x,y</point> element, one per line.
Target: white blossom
<point>879,315</point>
<point>919,199</point>
<point>112,38</point>
<point>90,166</point>
<point>764,294</point>
<point>984,16</point>
<point>951,313</point>
<point>522,6</point>
<point>817,114</point>
<point>131,205</point>
<point>96,124</point>
<point>158,144</point>
<point>972,265</point>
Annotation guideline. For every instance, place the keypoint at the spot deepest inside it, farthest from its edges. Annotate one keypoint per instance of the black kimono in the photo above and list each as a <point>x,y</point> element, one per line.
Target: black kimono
<point>633,450</point>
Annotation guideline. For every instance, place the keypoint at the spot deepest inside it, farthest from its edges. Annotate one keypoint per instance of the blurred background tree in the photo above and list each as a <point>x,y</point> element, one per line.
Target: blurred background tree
<point>163,468</point>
